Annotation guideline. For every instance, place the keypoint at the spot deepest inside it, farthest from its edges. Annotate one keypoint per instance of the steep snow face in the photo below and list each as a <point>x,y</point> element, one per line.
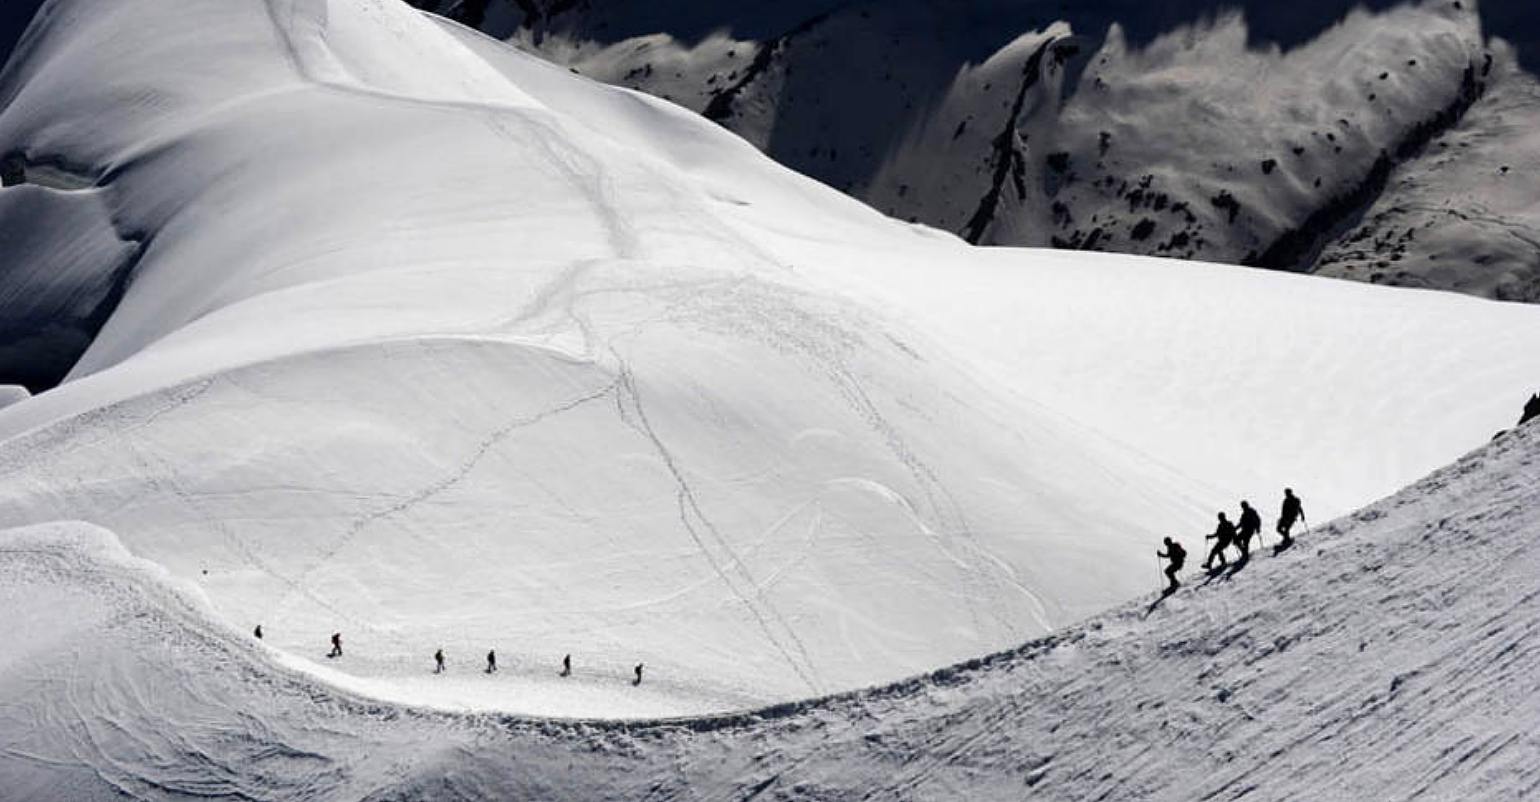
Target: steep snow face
<point>64,270</point>
<point>1247,133</point>
<point>1392,654</point>
<point>438,345</point>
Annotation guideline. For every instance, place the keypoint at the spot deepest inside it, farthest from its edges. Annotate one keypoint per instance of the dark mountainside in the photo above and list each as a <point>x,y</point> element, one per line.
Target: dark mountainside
<point>14,16</point>
<point>610,21</point>
<point>1386,144</point>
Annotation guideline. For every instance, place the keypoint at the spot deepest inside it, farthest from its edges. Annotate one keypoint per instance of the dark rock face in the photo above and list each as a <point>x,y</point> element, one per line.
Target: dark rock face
<point>1225,202</point>
<point>1007,158</point>
<point>13,171</point>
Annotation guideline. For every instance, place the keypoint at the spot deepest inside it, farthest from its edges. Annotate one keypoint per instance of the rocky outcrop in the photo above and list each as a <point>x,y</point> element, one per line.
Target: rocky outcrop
<point>1009,157</point>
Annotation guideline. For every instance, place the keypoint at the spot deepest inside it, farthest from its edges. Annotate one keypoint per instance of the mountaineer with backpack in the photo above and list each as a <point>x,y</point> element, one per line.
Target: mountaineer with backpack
<point>1223,536</point>
<point>1292,510</point>
<point>1249,525</point>
<point>1176,557</point>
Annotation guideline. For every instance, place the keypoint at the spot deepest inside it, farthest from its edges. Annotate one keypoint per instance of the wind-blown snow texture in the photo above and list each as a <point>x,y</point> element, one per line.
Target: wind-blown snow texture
<point>1246,132</point>
<point>599,378</point>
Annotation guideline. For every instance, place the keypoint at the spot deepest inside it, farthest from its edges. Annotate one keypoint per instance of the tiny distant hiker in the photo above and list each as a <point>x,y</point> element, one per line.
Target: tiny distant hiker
<point>638,679</point>
<point>1177,557</point>
<point>1248,526</point>
<point>258,632</point>
<point>336,645</point>
<point>438,662</point>
<point>492,661</point>
<point>1292,511</point>
<point>1223,536</point>
<point>566,666</point>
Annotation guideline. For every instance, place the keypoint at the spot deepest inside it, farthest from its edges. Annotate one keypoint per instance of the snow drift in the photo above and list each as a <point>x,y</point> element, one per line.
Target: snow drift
<point>433,343</point>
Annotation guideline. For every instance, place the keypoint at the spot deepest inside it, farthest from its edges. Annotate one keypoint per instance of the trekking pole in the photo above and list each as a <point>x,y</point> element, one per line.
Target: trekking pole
<point>1306,522</point>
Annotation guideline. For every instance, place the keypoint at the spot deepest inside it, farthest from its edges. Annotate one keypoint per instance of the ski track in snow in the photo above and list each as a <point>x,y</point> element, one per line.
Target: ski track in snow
<point>624,243</point>
<point>777,631</point>
<point>298,584</point>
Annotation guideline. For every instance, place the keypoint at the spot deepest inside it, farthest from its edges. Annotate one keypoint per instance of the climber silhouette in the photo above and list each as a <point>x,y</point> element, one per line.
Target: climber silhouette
<point>492,661</point>
<point>1249,525</point>
<point>1292,511</point>
<point>258,632</point>
<point>566,666</point>
<point>1223,536</point>
<point>1176,557</point>
<point>438,662</point>
<point>638,679</point>
<point>336,645</point>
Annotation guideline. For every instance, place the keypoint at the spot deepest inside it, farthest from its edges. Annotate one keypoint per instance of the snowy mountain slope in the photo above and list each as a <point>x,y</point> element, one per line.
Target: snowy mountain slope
<point>1391,654</point>
<point>1468,201</point>
<point>601,379</point>
<point>1028,325</point>
<point>1254,135</point>
<point>593,418</point>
